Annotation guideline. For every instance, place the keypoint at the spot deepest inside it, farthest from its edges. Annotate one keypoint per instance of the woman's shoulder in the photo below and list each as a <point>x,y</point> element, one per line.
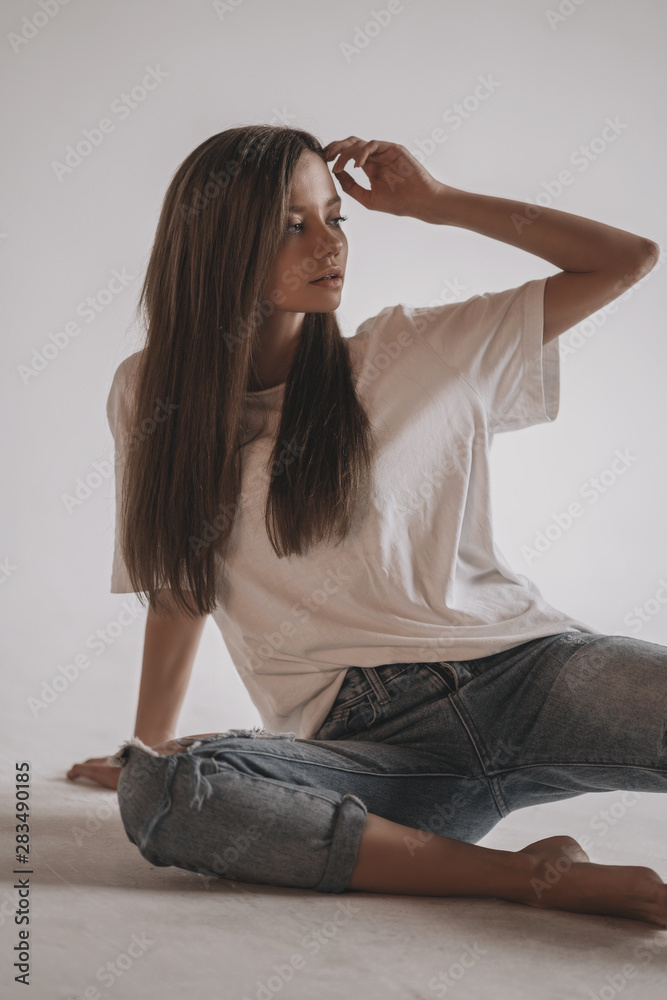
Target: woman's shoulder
<point>127,367</point>
<point>124,373</point>
<point>381,322</point>
<point>120,384</point>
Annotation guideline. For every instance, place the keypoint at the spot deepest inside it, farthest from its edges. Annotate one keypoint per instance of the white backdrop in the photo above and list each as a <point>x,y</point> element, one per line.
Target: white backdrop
<point>500,99</point>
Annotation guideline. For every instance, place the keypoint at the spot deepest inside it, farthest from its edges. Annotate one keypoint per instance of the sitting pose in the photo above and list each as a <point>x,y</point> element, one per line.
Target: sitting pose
<point>327,500</point>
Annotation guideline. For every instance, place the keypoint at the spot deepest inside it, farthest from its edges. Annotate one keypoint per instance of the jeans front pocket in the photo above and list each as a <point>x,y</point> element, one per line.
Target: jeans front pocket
<point>354,708</point>
<point>372,695</point>
<point>360,716</point>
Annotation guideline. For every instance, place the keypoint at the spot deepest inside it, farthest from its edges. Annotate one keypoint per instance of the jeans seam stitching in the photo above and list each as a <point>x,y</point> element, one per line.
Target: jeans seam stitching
<point>496,792</point>
<point>383,774</point>
<point>563,763</point>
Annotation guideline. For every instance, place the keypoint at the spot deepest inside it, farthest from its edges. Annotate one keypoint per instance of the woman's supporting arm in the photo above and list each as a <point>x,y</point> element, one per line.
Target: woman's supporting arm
<point>598,262</point>
<point>170,646</point>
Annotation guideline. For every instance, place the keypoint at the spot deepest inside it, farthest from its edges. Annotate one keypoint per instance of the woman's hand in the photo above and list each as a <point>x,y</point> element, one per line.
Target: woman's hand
<point>400,185</point>
<point>563,878</point>
<point>97,769</point>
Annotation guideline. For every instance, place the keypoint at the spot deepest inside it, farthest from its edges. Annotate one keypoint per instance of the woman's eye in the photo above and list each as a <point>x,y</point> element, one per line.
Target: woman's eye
<point>338,219</point>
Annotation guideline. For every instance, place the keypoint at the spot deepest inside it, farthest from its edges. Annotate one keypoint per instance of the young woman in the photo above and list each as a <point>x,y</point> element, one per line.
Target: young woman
<point>326,499</point>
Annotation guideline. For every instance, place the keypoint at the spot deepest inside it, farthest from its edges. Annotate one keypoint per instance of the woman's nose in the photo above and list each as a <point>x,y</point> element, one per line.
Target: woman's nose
<point>331,243</point>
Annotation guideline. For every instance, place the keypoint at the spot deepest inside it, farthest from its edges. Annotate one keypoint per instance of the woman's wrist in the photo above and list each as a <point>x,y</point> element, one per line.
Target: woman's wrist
<point>441,208</point>
<point>151,735</point>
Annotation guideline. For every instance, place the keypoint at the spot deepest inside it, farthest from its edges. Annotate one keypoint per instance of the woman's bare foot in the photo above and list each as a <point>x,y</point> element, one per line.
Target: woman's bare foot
<point>565,879</point>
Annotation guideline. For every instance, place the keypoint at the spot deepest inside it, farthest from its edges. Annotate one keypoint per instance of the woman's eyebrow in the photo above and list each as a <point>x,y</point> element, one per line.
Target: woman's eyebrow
<point>302,208</point>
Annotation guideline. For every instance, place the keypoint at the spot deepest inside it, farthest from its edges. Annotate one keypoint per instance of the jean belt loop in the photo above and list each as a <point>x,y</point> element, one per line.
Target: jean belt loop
<point>383,696</point>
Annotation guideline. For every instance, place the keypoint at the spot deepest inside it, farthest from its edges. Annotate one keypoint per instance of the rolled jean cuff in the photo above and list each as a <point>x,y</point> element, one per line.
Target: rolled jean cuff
<point>349,825</point>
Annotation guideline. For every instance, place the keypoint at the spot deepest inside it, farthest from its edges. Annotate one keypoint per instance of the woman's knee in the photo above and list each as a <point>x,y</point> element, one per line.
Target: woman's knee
<point>204,814</point>
<point>621,661</point>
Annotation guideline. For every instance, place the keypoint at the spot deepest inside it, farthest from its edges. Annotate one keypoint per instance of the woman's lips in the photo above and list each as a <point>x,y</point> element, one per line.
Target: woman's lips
<point>328,282</point>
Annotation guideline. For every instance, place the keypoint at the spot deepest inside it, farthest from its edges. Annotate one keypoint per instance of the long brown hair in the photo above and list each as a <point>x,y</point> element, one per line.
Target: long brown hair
<point>222,223</point>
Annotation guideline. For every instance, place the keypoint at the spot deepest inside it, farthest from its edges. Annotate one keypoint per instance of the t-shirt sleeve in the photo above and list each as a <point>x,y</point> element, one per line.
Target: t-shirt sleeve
<point>117,416</point>
<point>494,341</point>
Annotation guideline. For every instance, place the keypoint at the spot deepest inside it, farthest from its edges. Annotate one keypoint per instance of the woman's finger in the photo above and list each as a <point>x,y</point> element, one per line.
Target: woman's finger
<point>399,184</point>
<point>337,145</point>
<point>90,767</point>
<point>102,774</point>
<point>359,150</point>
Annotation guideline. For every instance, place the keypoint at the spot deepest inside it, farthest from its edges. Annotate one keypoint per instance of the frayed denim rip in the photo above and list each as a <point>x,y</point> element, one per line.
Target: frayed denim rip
<point>203,788</point>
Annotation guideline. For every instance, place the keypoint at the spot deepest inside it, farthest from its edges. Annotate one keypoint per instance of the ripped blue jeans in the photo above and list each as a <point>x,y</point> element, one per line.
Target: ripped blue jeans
<point>449,748</point>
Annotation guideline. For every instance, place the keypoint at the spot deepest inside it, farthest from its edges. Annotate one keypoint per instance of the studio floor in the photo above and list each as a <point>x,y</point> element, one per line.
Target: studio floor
<point>105,923</point>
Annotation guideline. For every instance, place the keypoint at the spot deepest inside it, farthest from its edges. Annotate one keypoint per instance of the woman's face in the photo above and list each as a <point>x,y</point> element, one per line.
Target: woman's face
<point>312,244</point>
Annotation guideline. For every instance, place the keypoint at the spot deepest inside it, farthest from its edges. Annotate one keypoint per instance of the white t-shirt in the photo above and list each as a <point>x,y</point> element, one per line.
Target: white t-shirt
<point>419,577</point>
